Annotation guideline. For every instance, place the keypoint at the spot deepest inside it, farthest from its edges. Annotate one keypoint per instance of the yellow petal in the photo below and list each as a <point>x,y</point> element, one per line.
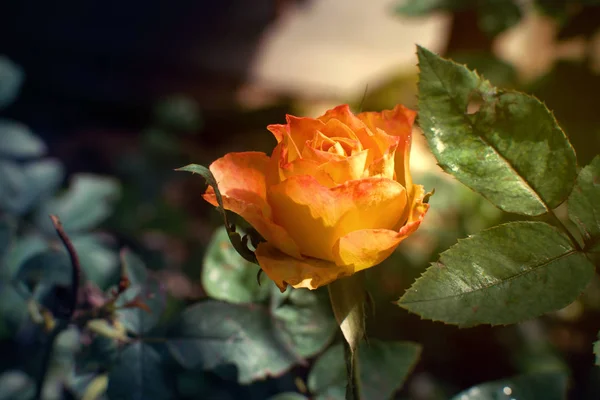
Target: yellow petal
<point>241,181</point>
<point>308,273</point>
<point>316,216</point>
<point>366,248</point>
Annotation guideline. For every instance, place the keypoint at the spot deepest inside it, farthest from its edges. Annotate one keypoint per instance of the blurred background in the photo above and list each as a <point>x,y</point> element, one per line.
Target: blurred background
<point>110,97</point>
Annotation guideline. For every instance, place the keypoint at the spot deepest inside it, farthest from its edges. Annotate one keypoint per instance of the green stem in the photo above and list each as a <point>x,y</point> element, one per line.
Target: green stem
<point>352,372</point>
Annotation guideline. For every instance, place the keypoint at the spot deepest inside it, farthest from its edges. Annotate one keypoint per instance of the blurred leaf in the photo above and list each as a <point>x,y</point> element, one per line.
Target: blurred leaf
<point>16,140</point>
<point>98,260</point>
<point>496,16</point>
<point>23,248</point>
<point>307,323</point>
<point>51,267</point>
<point>502,275</point>
<point>16,385</point>
<point>288,396</point>
<point>597,351</point>
<point>547,386</point>
<point>44,178</point>
<point>137,320</point>
<point>13,186</point>
<point>138,375</point>
<point>96,388</point>
<point>510,149</point>
<point>87,202</point>
<point>260,344</point>
<point>584,202</point>
<point>134,267</point>
<point>6,237</point>
<point>383,368</point>
<point>13,310</point>
<point>417,8</point>
<point>179,113</point>
<point>227,276</point>
<point>11,78</point>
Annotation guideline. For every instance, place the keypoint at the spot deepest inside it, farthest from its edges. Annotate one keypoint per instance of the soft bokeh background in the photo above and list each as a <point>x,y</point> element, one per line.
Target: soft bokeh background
<point>132,90</point>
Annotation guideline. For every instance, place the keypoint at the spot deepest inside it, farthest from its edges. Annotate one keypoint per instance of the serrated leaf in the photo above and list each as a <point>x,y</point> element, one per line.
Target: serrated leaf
<point>510,149</point>
<point>11,78</point>
<point>138,375</point>
<point>383,368</point>
<point>234,237</point>
<point>16,140</point>
<point>584,202</point>
<point>260,344</point>
<point>227,276</point>
<point>88,202</point>
<point>502,275</point>
<point>547,386</point>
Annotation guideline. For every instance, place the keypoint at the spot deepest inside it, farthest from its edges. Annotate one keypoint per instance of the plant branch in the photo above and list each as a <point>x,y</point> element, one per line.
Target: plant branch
<point>63,322</point>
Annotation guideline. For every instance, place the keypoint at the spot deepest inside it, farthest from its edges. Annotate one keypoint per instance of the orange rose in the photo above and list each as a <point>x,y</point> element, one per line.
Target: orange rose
<point>335,197</point>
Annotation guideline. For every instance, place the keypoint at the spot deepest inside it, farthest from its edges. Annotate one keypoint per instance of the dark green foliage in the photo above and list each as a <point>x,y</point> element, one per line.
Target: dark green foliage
<point>550,386</point>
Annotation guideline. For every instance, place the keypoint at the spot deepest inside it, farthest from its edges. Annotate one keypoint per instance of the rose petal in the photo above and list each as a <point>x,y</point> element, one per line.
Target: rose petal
<point>397,122</point>
<point>300,129</point>
<point>316,216</point>
<point>368,247</point>
<point>308,273</point>
<point>280,170</point>
<point>241,181</point>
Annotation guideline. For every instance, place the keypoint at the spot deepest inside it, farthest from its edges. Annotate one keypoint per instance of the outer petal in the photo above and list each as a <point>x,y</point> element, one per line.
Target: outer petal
<point>308,273</point>
<point>301,129</point>
<point>368,247</point>
<point>396,122</point>
<point>241,180</point>
<point>316,216</point>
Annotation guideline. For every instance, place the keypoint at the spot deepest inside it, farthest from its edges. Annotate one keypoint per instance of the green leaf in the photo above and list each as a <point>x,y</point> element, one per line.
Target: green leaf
<point>502,275</point>
<point>133,267</point>
<point>584,202</point>
<point>137,320</point>
<point>417,8</point>
<point>88,202</point>
<point>227,276</point>
<point>547,386</point>
<point>497,71</point>
<point>6,237</point>
<point>11,78</point>
<point>260,344</point>
<point>138,375</point>
<point>99,261</point>
<point>51,267</point>
<point>16,140</point>
<point>496,16</point>
<point>383,368</point>
<point>13,310</point>
<point>234,237</point>
<point>23,248</point>
<point>16,385</point>
<point>510,149</point>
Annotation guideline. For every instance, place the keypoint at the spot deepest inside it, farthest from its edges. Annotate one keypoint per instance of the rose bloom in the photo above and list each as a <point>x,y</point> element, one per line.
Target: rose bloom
<point>335,196</point>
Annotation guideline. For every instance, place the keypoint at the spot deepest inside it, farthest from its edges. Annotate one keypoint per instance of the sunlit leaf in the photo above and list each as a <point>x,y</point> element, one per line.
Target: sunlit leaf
<point>502,275</point>
<point>138,375</point>
<point>259,343</point>
<point>504,145</point>
<point>227,276</point>
<point>547,386</point>
<point>383,368</point>
<point>584,202</point>
<point>16,140</point>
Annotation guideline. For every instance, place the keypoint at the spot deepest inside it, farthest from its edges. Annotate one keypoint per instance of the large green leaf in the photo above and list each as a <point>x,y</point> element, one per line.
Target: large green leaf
<point>547,386</point>
<point>584,202</point>
<point>503,275</point>
<point>138,375</point>
<point>510,149</point>
<point>16,140</point>
<point>86,203</point>
<point>259,343</point>
<point>383,368</point>
<point>227,276</point>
